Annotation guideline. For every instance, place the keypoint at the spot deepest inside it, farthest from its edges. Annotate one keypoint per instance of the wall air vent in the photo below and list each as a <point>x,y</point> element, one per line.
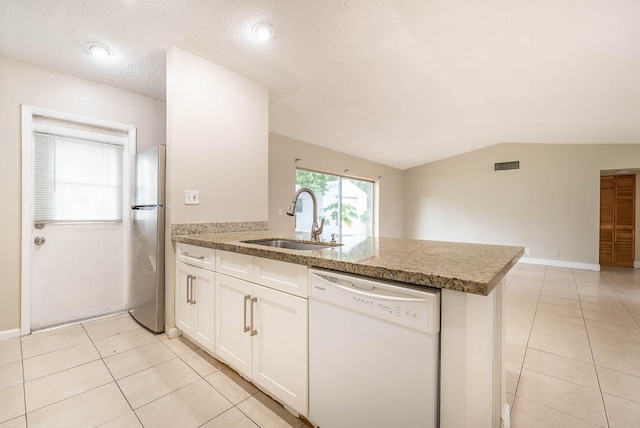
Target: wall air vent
<point>506,166</point>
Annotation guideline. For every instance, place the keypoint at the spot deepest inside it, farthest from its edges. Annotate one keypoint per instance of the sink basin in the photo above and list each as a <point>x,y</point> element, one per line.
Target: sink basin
<point>291,245</point>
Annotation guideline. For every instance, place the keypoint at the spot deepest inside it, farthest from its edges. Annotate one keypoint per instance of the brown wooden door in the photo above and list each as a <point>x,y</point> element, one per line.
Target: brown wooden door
<point>607,210</point>
<point>617,220</point>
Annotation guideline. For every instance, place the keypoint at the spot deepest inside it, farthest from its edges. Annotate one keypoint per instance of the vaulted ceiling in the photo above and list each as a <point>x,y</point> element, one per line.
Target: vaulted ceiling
<point>400,82</point>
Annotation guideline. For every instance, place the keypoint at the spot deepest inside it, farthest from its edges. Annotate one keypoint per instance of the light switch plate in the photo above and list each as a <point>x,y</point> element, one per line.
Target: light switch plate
<point>191,197</point>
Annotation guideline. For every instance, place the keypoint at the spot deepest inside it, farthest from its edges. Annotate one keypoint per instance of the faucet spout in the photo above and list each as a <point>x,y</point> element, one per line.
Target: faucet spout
<point>316,230</point>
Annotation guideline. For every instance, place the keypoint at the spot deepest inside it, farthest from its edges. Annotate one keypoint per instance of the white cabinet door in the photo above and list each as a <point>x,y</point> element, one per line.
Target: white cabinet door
<point>203,291</point>
<point>194,304</point>
<point>232,322</point>
<point>280,346</point>
<point>186,311</point>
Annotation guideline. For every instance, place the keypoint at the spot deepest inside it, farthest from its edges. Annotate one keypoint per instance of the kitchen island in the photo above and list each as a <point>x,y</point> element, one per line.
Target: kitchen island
<point>472,282</point>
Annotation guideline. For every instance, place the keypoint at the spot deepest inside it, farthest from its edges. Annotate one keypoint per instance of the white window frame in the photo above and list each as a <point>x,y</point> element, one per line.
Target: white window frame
<point>28,127</point>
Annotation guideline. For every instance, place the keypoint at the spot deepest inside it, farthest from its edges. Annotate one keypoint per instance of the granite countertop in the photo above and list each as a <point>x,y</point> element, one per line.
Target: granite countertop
<point>470,268</point>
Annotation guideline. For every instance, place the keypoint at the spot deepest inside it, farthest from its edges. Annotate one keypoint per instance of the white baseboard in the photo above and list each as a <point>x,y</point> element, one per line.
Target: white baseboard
<point>9,334</point>
<point>636,264</point>
<point>506,416</point>
<point>172,333</point>
<point>560,263</point>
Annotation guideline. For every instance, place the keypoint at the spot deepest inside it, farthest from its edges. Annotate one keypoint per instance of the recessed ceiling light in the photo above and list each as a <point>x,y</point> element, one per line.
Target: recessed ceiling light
<point>262,31</point>
<point>98,50</point>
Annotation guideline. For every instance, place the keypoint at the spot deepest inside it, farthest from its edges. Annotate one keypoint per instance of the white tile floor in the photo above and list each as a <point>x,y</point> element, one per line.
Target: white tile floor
<point>573,347</point>
<point>572,360</point>
<point>112,373</point>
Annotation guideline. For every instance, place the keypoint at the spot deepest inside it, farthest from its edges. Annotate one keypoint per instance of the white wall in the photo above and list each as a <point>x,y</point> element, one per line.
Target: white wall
<point>550,205</point>
<point>217,141</point>
<point>283,152</point>
<point>217,144</point>
<point>22,83</point>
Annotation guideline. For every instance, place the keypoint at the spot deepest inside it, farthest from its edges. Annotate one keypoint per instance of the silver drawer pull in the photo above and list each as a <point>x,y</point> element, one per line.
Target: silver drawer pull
<point>189,288</point>
<point>185,254</point>
<point>253,331</point>
<point>244,312</point>
<point>193,287</point>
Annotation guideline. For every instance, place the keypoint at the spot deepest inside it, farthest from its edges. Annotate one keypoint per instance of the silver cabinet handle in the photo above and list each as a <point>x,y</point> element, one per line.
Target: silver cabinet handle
<point>244,312</point>
<point>193,288</point>
<point>253,332</point>
<point>193,257</point>
<point>188,288</point>
<point>39,240</point>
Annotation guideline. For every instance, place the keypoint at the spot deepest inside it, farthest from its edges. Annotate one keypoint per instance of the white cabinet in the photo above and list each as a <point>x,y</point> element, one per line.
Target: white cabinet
<point>283,276</point>
<point>232,323</point>
<point>235,264</point>
<point>195,304</point>
<point>262,332</point>
<point>280,346</point>
<point>201,257</point>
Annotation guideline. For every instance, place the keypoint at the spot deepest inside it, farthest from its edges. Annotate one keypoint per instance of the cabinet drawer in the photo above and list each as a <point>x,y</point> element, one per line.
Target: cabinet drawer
<point>196,256</point>
<point>235,264</point>
<point>288,277</point>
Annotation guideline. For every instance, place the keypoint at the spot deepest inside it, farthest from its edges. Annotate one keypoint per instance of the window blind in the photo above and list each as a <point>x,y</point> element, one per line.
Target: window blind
<point>77,180</point>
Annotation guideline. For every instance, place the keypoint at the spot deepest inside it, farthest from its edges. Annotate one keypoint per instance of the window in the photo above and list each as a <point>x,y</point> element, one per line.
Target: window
<point>77,180</point>
<point>345,203</point>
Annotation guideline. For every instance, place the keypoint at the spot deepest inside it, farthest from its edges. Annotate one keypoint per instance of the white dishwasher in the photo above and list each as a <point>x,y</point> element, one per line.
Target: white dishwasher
<point>373,353</point>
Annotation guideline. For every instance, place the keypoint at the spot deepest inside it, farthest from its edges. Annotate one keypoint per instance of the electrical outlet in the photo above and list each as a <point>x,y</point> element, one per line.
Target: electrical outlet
<point>279,211</point>
<point>527,251</point>
<point>557,253</point>
<point>191,197</point>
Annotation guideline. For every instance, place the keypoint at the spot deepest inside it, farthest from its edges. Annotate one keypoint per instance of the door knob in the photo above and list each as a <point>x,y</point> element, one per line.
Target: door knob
<point>39,240</point>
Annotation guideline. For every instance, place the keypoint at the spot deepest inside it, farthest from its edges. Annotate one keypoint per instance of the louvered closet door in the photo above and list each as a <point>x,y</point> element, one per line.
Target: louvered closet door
<point>607,217</point>
<point>624,250</point>
<point>617,220</point>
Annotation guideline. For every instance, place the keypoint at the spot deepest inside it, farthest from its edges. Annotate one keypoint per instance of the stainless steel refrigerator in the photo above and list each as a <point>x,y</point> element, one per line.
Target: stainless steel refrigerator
<point>146,281</point>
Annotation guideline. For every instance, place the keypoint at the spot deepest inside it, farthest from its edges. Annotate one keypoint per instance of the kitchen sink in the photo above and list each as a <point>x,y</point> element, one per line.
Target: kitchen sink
<point>290,244</point>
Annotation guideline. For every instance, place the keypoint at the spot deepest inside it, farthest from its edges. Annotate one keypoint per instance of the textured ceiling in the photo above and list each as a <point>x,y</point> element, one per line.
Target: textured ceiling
<point>400,82</point>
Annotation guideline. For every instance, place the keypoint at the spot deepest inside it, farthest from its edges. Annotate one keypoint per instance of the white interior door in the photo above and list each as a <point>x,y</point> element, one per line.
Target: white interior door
<point>74,269</point>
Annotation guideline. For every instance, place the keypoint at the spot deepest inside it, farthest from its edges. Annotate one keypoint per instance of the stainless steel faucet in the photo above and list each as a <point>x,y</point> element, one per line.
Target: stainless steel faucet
<point>315,230</point>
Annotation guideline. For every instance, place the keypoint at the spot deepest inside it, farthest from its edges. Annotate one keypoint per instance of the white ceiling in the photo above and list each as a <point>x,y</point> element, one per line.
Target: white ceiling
<point>400,82</point>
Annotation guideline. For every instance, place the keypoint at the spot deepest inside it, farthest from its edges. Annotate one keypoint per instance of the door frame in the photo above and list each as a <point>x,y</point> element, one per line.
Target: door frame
<point>27,114</point>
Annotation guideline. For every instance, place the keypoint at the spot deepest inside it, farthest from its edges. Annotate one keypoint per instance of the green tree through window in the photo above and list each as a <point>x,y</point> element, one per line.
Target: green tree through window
<point>345,203</point>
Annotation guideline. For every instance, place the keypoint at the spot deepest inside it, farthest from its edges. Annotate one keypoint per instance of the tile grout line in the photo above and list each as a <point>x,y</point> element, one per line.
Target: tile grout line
<point>526,346</point>
<point>112,377</point>
<point>606,416</point>
<point>24,387</point>
<point>101,358</point>
<point>623,305</point>
<point>542,405</point>
<point>141,370</point>
<point>66,398</point>
<point>559,411</point>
